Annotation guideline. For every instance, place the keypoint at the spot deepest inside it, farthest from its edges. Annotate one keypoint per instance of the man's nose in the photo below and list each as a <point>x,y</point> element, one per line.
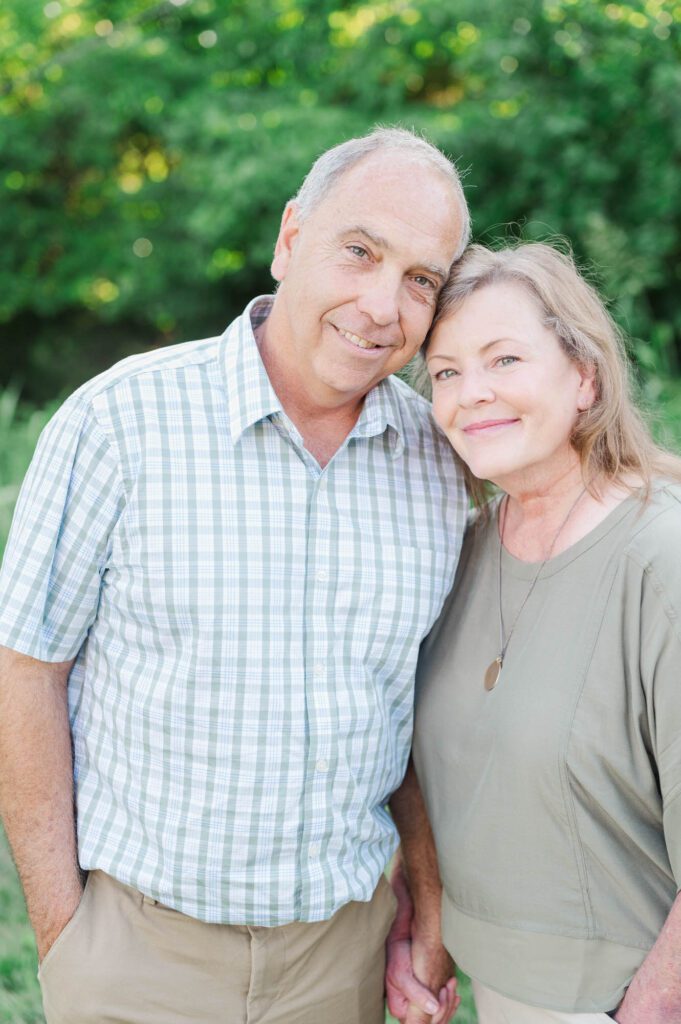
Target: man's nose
<point>380,300</point>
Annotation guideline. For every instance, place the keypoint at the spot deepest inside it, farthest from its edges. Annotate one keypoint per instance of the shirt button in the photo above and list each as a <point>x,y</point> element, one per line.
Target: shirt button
<point>322,575</point>
<point>319,671</point>
<point>322,765</point>
<point>315,849</point>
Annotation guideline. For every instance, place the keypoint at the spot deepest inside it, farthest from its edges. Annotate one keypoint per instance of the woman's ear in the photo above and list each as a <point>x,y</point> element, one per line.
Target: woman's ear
<point>586,396</point>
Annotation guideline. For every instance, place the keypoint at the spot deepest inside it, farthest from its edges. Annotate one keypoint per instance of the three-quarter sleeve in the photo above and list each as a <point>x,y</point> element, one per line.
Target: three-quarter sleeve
<point>660,652</point>
<point>60,537</point>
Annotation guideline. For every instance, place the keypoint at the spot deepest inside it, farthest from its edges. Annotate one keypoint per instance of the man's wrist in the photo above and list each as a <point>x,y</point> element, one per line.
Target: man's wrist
<point>427,926</point>
<point>49,922</point>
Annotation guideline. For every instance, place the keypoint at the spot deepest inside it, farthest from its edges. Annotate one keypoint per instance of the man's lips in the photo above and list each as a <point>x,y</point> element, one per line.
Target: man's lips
<point>487,426</point>
<point>358,341</point>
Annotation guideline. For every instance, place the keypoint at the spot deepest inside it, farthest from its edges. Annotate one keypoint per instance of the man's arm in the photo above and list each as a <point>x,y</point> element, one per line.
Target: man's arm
<point>418,876</point>
<point>654,995</point>
<point>36,789</point>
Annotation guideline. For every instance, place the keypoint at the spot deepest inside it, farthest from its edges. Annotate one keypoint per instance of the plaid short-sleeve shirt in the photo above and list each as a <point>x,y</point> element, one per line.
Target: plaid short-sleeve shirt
<point>245,625</point>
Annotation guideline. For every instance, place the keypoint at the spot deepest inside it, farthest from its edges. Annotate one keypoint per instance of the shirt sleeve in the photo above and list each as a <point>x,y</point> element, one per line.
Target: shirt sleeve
<point>661,666</point>
<point>60,538</point>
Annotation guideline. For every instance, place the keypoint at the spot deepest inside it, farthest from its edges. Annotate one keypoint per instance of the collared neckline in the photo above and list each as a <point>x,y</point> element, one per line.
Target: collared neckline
<point>252,397</point>
<point>381,410</point>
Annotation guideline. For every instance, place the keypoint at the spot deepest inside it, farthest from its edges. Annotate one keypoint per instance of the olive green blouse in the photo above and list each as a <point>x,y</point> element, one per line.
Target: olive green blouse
<point>554,798</point>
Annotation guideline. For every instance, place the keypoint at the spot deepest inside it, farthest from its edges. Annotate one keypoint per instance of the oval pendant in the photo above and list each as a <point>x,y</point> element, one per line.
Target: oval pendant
<point>492,674</point>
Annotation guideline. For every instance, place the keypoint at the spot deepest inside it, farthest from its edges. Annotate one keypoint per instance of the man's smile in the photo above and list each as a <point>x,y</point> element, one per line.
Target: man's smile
<point>359,342</point>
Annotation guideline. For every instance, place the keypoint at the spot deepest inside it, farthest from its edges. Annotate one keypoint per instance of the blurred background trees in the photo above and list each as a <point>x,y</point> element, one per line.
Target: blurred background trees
<point>147,150</point>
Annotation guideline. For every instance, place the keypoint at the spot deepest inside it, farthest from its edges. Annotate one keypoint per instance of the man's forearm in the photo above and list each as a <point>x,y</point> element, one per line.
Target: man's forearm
<point>654,995</point>
<point>431,963</point>
<point>418,851</point>
<point>36,789</point>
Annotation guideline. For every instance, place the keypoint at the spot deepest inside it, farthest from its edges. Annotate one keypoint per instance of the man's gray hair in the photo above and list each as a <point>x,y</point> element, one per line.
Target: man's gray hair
<point>332,164</point>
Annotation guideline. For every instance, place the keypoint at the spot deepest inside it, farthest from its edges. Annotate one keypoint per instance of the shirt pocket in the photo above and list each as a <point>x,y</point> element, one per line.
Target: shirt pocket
<point>392,594</point>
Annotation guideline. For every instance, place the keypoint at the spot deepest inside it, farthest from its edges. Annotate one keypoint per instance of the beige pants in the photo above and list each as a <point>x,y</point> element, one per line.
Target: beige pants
<point>125,959</point>
<point>494,1008</point>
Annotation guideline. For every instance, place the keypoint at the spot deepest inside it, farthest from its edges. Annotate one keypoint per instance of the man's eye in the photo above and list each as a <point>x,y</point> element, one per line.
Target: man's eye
<point>358,250</point>
<point>425,282</point>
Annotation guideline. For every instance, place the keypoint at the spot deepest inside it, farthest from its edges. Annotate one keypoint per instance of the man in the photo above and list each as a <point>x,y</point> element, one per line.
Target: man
<point>224,557</point>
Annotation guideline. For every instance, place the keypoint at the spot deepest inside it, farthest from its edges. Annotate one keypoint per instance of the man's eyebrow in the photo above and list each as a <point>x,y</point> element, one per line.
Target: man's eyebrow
<point>360,229</point>
<point>382,243</point>
<point>436,270</point>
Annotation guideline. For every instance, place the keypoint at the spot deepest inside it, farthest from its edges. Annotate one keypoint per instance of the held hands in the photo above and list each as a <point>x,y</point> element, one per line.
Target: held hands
<point>412,954</point>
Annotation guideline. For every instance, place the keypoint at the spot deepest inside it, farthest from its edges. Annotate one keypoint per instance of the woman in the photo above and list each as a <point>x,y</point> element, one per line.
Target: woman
<point>548,723</point>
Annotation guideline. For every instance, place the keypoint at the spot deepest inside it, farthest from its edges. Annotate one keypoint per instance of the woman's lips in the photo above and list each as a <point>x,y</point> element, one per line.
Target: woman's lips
<point>487,426</point>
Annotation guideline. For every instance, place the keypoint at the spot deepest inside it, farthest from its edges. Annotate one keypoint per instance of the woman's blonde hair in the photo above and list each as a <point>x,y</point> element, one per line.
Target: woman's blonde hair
<point>613,441</point>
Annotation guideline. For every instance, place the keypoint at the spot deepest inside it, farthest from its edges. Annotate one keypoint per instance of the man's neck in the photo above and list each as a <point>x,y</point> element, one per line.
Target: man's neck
<point>323,427</point>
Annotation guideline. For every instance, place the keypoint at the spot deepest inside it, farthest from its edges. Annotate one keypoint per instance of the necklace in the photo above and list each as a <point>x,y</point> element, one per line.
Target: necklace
<point>493,670</point>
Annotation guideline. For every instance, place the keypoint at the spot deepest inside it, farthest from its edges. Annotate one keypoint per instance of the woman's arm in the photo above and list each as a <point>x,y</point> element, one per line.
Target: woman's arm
<point>654,995</point>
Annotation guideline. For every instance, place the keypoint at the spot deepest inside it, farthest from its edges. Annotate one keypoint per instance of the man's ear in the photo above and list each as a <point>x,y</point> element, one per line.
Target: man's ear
<point>286,240</point>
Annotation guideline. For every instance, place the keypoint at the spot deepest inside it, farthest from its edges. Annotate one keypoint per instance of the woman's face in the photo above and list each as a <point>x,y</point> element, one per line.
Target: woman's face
<point>504,392</point>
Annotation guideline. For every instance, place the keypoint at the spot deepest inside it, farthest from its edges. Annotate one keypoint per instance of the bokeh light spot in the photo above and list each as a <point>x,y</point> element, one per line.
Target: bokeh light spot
<point>142,247</point>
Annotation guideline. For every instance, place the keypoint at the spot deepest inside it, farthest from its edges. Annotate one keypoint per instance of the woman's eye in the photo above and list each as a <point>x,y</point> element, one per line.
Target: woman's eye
<point>507,360</point>
<point>444,374</point>
<point>358,250</point>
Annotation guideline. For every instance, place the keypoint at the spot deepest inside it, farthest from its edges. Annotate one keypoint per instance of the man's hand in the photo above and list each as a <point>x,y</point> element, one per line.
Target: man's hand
<point>420,985</point>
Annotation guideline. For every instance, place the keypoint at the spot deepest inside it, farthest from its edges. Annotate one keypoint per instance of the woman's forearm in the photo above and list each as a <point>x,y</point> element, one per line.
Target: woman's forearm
<point>654,995</point>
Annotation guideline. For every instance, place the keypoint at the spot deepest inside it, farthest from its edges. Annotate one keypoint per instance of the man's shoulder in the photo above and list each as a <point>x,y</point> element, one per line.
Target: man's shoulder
<point>160,362</point>
<point>417,419</point>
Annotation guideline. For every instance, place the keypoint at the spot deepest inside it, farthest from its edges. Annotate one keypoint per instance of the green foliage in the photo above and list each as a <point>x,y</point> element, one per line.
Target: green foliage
<point>145,156</point>
<point>19,430</point>
<point>20,1001</point>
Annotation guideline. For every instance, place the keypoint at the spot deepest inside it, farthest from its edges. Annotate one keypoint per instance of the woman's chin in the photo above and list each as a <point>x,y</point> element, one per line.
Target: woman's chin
<point>486,469</point>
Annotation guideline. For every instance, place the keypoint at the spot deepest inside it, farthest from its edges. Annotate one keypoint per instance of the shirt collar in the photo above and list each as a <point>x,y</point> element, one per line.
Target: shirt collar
<point>252,397</point>
<point>381,411</point>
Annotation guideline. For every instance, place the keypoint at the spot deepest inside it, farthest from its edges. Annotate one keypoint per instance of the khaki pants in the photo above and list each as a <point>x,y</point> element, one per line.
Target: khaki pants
<point>493,1008</point>
<point>125,959</point>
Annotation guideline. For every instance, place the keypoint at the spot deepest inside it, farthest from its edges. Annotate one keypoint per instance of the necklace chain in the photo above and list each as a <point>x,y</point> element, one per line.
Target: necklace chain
<point>494,670</point>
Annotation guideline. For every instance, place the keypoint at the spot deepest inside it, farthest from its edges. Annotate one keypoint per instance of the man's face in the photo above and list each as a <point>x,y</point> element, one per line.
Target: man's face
<point>361,275</point>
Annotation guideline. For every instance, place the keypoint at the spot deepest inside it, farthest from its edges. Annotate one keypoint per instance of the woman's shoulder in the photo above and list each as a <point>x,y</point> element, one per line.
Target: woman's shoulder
<point>653,547</point>
<point>655,530</point>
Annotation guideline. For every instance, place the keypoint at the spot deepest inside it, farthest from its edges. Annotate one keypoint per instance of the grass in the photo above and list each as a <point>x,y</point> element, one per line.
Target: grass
<point>19,992</point>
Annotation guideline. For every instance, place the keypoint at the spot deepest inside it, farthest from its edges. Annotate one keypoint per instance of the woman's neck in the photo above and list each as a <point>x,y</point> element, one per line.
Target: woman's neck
<point>544,519</point>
